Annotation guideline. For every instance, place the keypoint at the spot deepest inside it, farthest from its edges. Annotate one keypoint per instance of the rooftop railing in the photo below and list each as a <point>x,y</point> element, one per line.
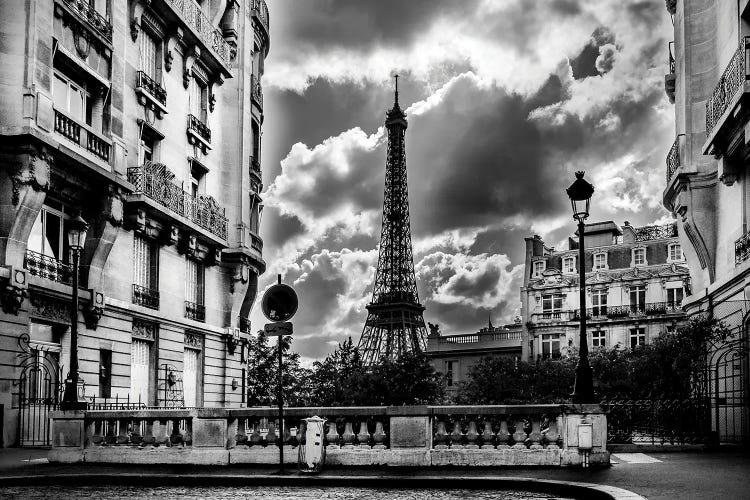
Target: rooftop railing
<point>729,84</point>
<point>473,338</point>
<point>192,14</point>
<point>647,233</point>
<point>154,181</point>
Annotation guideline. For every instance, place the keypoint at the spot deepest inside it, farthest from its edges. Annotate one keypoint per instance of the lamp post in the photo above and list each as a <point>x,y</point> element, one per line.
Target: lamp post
<point>72,399</point>
<point>580,197</point>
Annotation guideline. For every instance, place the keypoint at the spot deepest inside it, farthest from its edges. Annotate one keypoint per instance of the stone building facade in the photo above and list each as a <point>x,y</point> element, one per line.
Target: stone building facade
<point>708,187</point>
<point>144,117</point>
<point>454,355</point>
<point>636,280</point>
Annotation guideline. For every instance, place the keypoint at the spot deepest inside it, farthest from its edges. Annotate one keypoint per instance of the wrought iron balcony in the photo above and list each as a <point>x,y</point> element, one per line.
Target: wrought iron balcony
<point>730,85</point>
<point>602,313</point>
<point>157,91</point>
<point>260,12</point>
<point>196,20</point>
<point>255,168</point>
<point>256,91</point>
<point>199,127</point>
<point>673,159</point>
<point>48,268</point>
<point>88,14</point>
<point>648,233</point>
<point>245,325</point>
<point>83,135</point>
<point>154,180</point>
<point>145,297</point>
<point>256,243</point>
<point>742,249</point>
<point>196,312</point>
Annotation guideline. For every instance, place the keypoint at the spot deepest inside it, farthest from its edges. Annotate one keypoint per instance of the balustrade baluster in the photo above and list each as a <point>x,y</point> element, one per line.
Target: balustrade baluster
<point>135,435</point>
<point>332,437</point>
<point>241,438</point>
<point>519,437</point>
<point>123,426</point>
<point>440,440</point>
<point>363,437</point>
<point>457,435</point>
<point>148,434</point>
<point>161,433</point>
<point>552,435</point>
<point>379,436</point>
<point>111,436</point>
<point>175,438</point>
<point>535,436</point>
<point>471,436</point>
<point>348,436</point>
<point>271,435</point>
<point>99,428</point>
<point>488,435</point>
<point>503,436</point>
<point>255,438</point>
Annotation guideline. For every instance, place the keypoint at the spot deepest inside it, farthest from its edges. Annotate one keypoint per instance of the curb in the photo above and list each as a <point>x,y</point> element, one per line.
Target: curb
<point>578,490</point>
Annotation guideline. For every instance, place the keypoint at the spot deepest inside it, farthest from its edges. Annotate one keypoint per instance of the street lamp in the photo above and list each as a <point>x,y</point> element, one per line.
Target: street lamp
<point>72,398</point>
<point>580,197</point>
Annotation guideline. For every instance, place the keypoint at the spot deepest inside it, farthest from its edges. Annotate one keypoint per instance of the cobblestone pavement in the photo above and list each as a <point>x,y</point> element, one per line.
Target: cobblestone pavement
<point>721,474</point>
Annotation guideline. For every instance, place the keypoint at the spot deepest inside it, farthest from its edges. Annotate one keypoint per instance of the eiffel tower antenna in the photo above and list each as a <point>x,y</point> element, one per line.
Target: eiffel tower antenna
<point>394,324</point>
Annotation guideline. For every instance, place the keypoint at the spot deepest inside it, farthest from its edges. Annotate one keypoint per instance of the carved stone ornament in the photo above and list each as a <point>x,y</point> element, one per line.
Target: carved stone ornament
<point>241,272</point>
<point>193,339</point>
<point>92,313</point>
<point>49,308</point>
<point>192,54</point>
<point>35,173</point>
<point>145,330</point>
<point>136,11</point>
<point>12,298</point>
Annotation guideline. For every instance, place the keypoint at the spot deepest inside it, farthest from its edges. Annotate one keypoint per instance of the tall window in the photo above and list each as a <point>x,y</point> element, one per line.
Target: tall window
<point>539,266</point>
<point>638,298</point>
<point>599,302</point>
<point>48,235</point>
<point>674,297</point>
<point>637,337</point>
<point>190,372</point>
<point>550,346</point>
<point>598,338</point>
<point>600,261</point>
<point>451,373</point>
<point>140,356</point>
<point>148,57</point>
<point>675,252</point>
<point>145,151</point>
<point>71,97</point>
<point>639,256</point>
<point>145,272</point>
<point>199,100</point>
<point>105,373</point>
<point>569,265</point>
<point>194,279</point>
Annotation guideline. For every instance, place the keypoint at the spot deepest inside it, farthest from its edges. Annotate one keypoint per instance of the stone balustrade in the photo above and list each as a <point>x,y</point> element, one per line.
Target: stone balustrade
<point>545,435</point>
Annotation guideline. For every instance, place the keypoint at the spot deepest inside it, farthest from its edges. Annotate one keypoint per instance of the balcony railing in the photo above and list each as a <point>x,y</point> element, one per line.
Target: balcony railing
<point>602,313</point>
<point>245,325</point>
<point>256,91</point>
<point>199,127</point>
<point>260,12</point>
<point>91,17</point>
<point>153,88</point>
<point>256,243</point>
<point>742,249</point>
<point>75,132</point>
<point>731,81</point>
<point>255,167</point>
<point>154,181</point>
<point>196,312</point>
<point>473,338</point>
<point>145,297</point>
<point>673,159</point>
<point>48,268</point>
<point>192,14</point>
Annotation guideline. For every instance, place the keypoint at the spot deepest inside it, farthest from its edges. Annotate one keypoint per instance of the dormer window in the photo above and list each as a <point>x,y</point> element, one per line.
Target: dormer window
<point>539,267</point>
<point>638,257</point>
<point>600,261</point>
<point>569,265</point>
<point>674,252</point>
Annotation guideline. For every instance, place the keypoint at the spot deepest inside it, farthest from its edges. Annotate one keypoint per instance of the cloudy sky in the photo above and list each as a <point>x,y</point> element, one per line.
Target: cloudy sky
<point>505,100</point>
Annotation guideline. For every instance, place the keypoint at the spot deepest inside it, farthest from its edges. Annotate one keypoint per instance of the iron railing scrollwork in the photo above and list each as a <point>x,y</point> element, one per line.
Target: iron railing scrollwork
<point>196,312</point>
<point>145,297</point>
<point>148,83</point>
<point>195,124</point>
<point>742,249</point>
<point>89,14</point>
<point>260,12</point>
<point>256,91</point>
<point>48,267</point>
<point>155,181</point>
<point>255,166</point>
<point>731,81</point>
<point>628,311</point>
<point>660,421</point>
<point>673,159</point>
<point>192,14</point>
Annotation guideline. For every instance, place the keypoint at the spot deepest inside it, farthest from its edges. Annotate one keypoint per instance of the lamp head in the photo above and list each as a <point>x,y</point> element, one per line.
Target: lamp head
<point>580,197</point>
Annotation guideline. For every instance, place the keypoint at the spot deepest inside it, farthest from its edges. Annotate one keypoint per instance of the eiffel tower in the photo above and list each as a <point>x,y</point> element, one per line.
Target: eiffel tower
<point>394,323</point>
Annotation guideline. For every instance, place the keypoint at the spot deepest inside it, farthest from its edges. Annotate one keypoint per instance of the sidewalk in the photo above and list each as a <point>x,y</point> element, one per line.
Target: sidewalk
<point>691,475</point>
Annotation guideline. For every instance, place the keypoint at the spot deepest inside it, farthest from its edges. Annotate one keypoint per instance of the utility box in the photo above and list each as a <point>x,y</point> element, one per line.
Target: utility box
<point>312,454</point>
<point>585,436</point>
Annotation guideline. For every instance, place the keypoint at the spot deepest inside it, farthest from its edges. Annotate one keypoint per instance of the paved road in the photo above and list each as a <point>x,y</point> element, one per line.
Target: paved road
<point>723,474</point>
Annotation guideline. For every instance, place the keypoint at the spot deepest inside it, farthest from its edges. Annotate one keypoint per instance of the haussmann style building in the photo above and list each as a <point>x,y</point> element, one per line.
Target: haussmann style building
<point>708,189</point>
<point>144,117</point>
<point>636,280</point>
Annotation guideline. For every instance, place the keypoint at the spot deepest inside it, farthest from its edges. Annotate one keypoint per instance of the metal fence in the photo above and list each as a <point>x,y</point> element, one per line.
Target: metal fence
<point>660,422</point>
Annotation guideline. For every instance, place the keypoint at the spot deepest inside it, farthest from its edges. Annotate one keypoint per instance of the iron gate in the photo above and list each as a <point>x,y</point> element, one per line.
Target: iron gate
<point>38,392</point>
<point>730,389</point>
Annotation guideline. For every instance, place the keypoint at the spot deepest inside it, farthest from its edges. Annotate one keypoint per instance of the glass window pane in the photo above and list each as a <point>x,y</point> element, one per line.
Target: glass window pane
<point>35,238</point>
<point>76,103</point>
<point>60,93</point>
<point>52,235</point>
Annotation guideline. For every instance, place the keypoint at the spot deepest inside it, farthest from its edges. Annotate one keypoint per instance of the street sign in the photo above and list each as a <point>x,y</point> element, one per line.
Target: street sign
<point>279,302</point>
<point>280,328</point>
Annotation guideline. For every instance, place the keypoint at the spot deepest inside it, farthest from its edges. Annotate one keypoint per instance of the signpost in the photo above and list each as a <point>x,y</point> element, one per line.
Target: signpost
<point>279,305</point>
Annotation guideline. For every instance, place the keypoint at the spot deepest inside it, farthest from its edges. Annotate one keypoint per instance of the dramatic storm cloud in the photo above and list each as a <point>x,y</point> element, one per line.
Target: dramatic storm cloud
<point>505,100</point>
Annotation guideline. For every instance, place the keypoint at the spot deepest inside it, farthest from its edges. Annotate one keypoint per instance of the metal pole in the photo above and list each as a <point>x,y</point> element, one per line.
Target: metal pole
<point>583,390</point>
<point>70,398</point>
<point>281,409</point>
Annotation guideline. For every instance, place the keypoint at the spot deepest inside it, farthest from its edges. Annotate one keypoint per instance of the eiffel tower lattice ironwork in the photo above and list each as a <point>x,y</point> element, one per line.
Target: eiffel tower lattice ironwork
<point>395,324</point>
